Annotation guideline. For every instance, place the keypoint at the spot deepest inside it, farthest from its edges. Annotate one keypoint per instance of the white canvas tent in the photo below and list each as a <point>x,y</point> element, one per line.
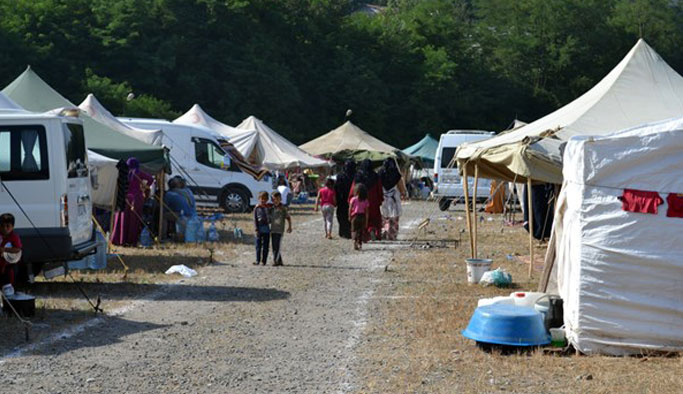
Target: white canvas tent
<point>8,105</point>
<point>641,88</point>
<point>97,111</point>
<point>349,137</point>
<point>273,151</point>
<point>620,273</point>
<point>243,140</point>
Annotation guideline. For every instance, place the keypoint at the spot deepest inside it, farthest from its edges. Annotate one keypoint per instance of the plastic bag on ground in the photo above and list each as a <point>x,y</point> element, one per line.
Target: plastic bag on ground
<point>182,270</point>
<point>498,278</point>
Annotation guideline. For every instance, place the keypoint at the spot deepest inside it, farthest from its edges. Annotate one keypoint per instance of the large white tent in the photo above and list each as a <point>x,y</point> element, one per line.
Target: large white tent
<point>619,272</point>
<point>347,137</point>
<point>243,140</point>
<point>97,111</point>
<point>8,105</point>
<point>273,151</point>
<point>641,88</point>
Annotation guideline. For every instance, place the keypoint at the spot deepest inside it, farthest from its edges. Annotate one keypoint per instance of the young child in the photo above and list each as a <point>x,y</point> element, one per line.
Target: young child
<point>358,207</point>
<point>10,249</point>
<point>278,216</point>
<point>327,200</point>
<point>262,228</point>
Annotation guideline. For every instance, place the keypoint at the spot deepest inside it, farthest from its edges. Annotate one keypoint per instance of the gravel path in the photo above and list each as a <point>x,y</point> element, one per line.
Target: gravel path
<point>233,328</point>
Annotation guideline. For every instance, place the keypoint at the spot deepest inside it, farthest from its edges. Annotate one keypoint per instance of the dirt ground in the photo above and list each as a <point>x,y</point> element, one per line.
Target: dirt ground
<point>387,319</point>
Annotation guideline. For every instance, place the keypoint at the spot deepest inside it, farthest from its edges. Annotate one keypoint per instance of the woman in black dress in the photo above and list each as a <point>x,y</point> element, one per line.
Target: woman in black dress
<point>342,186</point>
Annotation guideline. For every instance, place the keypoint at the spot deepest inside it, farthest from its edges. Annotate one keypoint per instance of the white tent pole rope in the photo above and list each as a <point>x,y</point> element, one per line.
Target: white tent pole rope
<point>531,226</point>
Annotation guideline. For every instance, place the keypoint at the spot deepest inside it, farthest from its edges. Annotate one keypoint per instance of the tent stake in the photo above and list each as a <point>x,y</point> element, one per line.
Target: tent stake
<point>531,226</point>
<point>475,253</point>
<point>467,208</point>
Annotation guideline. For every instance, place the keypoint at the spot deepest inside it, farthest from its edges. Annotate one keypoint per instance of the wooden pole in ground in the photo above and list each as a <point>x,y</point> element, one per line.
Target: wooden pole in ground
<point>530,215</point>
<point>113,214</point>
<point>475,254</point>
<point>467,208</point>
<point>161,186</point>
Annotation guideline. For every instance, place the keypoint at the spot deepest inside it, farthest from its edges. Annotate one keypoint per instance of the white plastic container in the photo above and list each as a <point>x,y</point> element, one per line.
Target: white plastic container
<point>476,269</point>
<point>524,298</point>
<point>496,300</point>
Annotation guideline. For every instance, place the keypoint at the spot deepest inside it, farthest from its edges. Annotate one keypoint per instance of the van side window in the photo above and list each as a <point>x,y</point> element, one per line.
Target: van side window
<point>74,143</point>
<point>23,153</point>
<point>208,153</point>
<point>446,157</point>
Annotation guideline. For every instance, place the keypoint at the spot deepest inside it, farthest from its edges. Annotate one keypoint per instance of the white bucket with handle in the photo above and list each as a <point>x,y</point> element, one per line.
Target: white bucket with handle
<point>476,269</point>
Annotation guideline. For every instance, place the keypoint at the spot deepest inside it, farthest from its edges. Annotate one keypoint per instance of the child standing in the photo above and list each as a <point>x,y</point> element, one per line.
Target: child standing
<point>10,249</point>
<point>278,216</point>
<point>358,212</point>
<point>262,228</point>
<point>327,200</point>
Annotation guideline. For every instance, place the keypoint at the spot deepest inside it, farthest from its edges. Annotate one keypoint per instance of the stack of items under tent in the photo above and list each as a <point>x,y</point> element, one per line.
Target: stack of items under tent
<point>234,141</point>
<point>619,244</point>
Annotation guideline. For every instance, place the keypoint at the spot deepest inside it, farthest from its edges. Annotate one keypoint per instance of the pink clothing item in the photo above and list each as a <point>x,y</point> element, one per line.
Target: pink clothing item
<point>358,207</point>
<point>327,197</point>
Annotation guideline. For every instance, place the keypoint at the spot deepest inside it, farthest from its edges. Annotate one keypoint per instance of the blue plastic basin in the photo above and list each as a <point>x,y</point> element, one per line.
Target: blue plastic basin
<point>503,324</point>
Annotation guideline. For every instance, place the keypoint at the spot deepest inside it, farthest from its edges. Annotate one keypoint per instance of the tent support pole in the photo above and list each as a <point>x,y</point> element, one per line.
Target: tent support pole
<point>111,217</point>
<point>531,226</point>
<point>467,208</point>
<point>160,185</point>
<point>474,211</point>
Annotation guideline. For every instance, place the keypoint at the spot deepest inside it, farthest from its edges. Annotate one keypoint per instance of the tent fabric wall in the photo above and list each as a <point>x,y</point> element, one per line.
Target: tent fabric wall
<point>31,92</point>
<point>620,273</point>
<point>107,174</point>
<point>275,152</point>
<point>347,137</point>
<point>641,88</point>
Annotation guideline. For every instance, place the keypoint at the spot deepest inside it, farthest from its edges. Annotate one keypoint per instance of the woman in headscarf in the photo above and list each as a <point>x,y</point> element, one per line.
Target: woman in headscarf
<point>342,186</point>
<point>367,176</point>
<point>127,223</point>
<point>394,190</point>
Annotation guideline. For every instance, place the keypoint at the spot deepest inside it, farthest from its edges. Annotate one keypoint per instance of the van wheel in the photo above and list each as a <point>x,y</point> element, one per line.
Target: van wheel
<point>444,204</point>
<point>234,201</point>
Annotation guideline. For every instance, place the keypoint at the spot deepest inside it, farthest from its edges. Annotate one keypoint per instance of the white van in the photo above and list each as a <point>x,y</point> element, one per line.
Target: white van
<point>43,166</point>
<point>197,156</point>
<point>447,180</point>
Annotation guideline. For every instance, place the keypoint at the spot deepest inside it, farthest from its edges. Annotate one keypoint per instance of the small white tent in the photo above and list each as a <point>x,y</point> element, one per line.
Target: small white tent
<point>641,88</point>
<point>97,111</point>
<point>243,140</point>
<point>619,272</point>
<point>275,152</point>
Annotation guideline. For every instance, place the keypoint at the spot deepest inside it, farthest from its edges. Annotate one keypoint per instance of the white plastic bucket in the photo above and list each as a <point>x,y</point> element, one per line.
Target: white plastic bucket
<point>476,269</point>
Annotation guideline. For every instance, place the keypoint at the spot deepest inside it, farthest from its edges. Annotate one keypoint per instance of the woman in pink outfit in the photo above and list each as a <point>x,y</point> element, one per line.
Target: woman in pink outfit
<point>127,223</point>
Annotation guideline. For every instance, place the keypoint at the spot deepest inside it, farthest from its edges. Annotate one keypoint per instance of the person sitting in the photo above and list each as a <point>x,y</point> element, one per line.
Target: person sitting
<point>187,193</point>
<point>177,203</point>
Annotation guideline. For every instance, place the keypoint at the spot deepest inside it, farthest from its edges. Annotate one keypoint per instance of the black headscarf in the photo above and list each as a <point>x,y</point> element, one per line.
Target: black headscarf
<point>342,186</point>
<point>389,174</point>
<point>366,175</point>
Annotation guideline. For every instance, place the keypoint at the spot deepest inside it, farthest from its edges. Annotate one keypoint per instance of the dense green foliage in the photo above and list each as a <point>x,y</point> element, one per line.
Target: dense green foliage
<point>419,66</point>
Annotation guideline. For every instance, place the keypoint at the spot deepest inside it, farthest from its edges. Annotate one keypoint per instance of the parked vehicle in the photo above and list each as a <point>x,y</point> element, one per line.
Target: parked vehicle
<point>447,181</point>
<point>197,155</point>
<point>43,165</point>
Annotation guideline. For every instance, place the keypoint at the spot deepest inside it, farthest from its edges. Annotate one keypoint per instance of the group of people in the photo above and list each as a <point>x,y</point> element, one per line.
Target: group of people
<point>368,203</point>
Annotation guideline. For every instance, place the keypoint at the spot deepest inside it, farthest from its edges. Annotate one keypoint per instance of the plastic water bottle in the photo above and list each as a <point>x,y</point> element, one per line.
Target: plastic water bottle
<point>145,238</point>
<point>201,234</point>
<point>212,235</point>
<point>191,229</point>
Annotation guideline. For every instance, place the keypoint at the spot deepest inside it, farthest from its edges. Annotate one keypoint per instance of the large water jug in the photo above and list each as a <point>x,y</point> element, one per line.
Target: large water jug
<point>145,238</point>
<point>201,233</point>
<point>212,235</point>
<point>192,229</point>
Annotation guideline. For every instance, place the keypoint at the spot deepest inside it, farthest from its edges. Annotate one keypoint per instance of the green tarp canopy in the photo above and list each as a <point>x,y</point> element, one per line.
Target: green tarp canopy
<point>32,93</point>
<point>425,150</point>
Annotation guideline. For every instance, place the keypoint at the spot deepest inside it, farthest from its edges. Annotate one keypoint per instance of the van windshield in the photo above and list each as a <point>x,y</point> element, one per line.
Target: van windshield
<point>74,143</point>
<point>446,157</point>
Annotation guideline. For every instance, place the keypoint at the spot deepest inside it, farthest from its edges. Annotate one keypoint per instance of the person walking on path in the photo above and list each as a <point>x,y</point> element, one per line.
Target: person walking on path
<point>285,191</point>
<point>262,228</point>
<point>342,188</point>
<point>394,191</point>
<point>358,212</point>
<point>127,223</point>
<point>327,200</point>
<point>278,216</point>
<point>368,177</point>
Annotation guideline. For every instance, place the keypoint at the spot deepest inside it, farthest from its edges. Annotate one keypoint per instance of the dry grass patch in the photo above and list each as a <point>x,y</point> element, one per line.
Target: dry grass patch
<point>414,342</point>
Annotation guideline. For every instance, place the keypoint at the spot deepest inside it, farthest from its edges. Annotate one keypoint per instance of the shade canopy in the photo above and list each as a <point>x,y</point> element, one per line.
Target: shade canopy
<point>275,152</point>
<point>98,112</point>
<point>347,137</point>
<point>8,105</point>
<point>641,88</point>
<point>425,149</point>
<point>619,270</point>
<point>31,92</point>
<point>243,140</point>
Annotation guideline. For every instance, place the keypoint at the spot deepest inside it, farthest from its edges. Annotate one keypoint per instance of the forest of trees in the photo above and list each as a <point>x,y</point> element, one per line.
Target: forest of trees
<point>417,66</point>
